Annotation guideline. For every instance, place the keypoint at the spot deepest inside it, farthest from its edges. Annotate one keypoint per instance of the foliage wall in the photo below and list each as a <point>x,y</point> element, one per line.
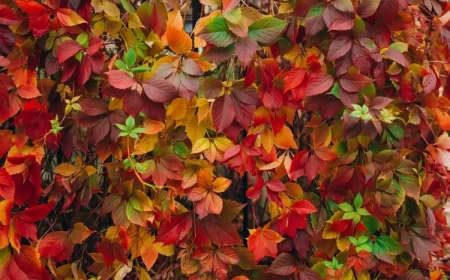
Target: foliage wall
<point>298,139</point>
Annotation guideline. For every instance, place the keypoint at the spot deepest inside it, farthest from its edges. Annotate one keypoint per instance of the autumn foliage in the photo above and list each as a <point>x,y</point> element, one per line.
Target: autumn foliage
<point>300,139</point>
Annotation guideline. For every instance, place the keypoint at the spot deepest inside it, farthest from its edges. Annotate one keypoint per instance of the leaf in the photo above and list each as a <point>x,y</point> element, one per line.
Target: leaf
<point>263,242</point>
<point>161,91</point>
<point>79,233</point>
<point>55,245</point>
<point>69,17</point>
<point>65,169</point>
<point>221,232</point>
<point>67,49</point>
<point>216,32</point>
<point>112,251</point>
<point>176,229</point>
<point>179,42</point>
<point>93,107</point>
<point>314,21</point>
<point>384,246</point>
<point>318,83</point>
<point>354,82</point>
<point>339,47</point>
<point>130,57</point>
<point>245,49</point>
<point>285,264</point>
<point>7,186</point>
<point>229,4</point>
<point>120,79</point>
<point>367,8</point>
<point>28,91</point>
<point>343,5</point>
<point>223,112</point>
<point>266,30</point>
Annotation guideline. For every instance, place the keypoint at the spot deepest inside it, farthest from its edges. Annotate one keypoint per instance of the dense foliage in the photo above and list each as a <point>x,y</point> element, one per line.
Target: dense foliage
<point>300,139</point>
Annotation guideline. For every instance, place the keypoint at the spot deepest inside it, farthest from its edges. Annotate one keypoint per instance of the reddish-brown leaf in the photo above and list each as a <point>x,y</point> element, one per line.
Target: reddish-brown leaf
<point>354,82</point>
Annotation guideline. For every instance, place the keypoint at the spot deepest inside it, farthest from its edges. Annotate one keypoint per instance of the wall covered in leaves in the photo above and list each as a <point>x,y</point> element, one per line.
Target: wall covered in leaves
<point>298,139</point>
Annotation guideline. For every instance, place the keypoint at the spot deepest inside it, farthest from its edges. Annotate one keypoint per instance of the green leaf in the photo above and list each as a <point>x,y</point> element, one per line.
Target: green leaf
<point>130,57</point>
<point>371,223</point>
<point>399,46</point>
<point>386,245</point>
<point>83,39</point>
<point>130,123</point>
<point>180,149</point>
<point>358,201</point>
<point>363,212</point>
<point>120,64</point>
<point>122,127</point>
<point>127,6</point>
<point>216,32</point>
<point>345,207</point>
<point>266,30</point>
<point>396,131</point>
<point>141,69</point>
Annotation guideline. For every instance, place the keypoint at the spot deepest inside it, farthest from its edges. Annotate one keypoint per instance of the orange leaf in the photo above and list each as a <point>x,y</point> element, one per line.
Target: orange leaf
<point>263,242</point>
<point>68,17</point>
<point>178,40</point>
<point>80,233</point>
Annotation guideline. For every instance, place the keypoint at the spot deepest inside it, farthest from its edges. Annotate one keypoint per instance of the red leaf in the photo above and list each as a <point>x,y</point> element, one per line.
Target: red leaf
<point>161,91</point>
<point>229,4</point>
<point>314,21</point>
<point>343,5</point>
<point>7,186</point>
<point>176,229</point>
<point>112,251</point>
<point>397,56</point>
<point>223,112</point>
<point>354,82</point>
<point>338,21</point>
<point>93,107</point>
<point>222,233</point>
<point>56,245</point>
<point>275,185</point>
<point>32,7</point>
<point>245,49</point>
<point>339,47</point>
<point>285,264</point>
<point>294,78</point>
<point>318,83</point>
<point>69,17</point>
<point>367,8</point>
<point>8,15</point>
<point>67,49</point>
<point>120,79</point>
<point>36,213</point>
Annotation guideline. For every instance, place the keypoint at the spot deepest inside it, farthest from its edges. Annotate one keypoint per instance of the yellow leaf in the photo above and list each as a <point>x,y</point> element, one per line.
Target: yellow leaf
<point>222,143</point>
<point>134,21</point>
<point>177,108</point>
<point>201,145</point>
<point>65,169</point>
<point>145,144</point>
<point>343,244</point>
<point>195,130</point>
<point>294,190</point>
<point>143,274</point>
<point>285,139</point>
<point>111,9</point>
<point>267,139</point>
